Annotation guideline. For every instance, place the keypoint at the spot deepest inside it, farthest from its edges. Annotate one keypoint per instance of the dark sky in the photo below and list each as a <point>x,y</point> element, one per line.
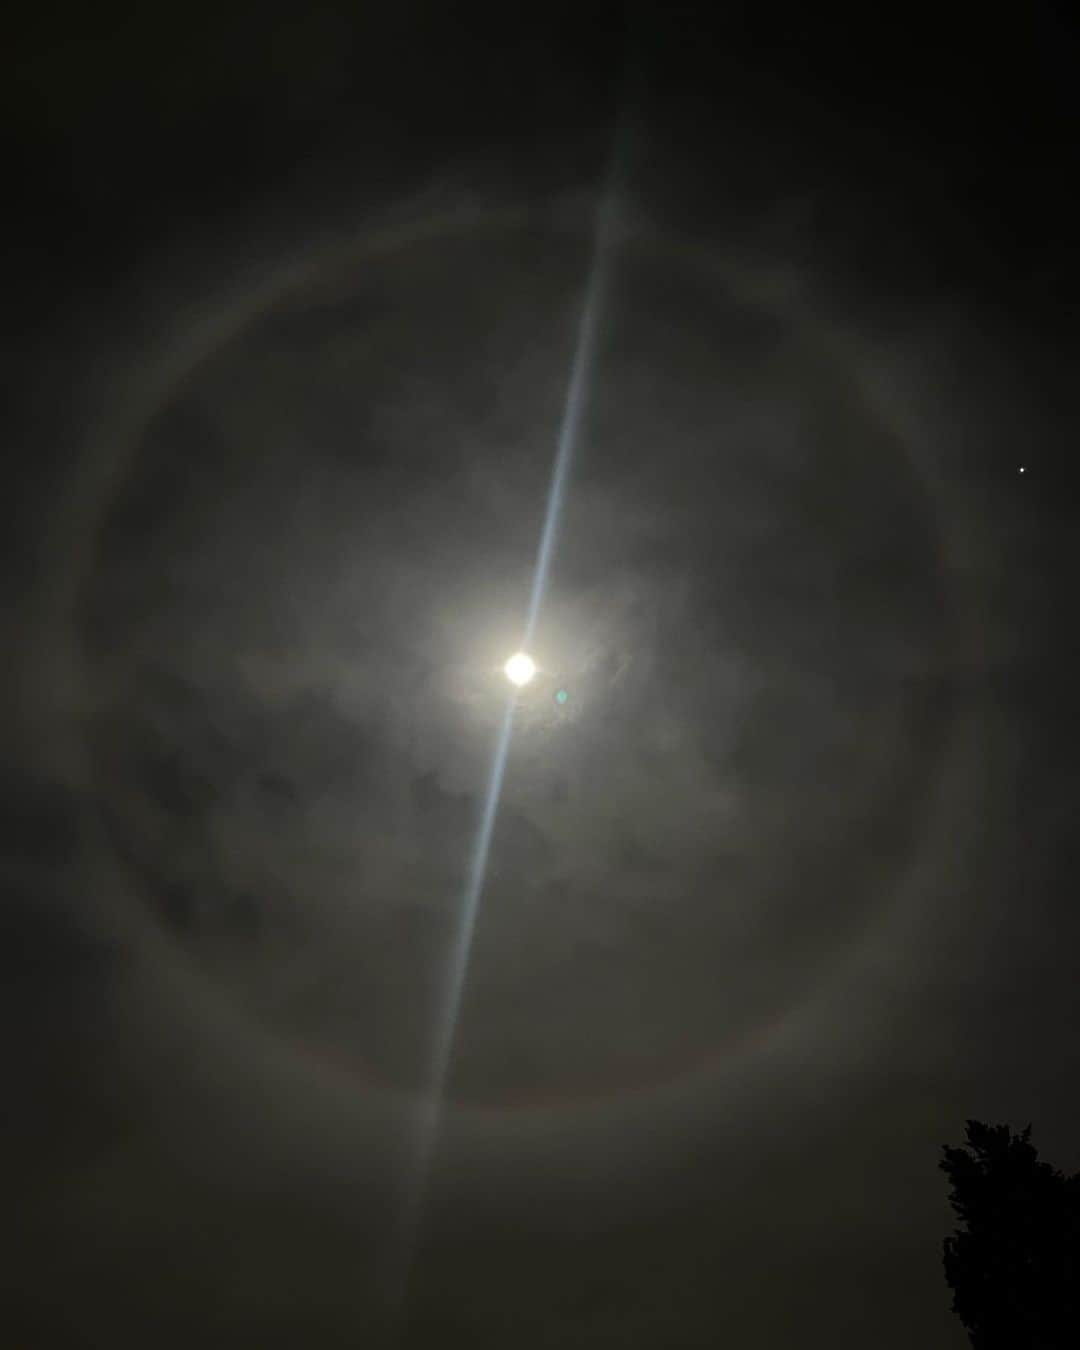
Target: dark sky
<point>780,895</point>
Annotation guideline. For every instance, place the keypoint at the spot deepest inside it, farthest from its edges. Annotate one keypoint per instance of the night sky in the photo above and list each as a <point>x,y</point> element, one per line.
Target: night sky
<point>781,879</point>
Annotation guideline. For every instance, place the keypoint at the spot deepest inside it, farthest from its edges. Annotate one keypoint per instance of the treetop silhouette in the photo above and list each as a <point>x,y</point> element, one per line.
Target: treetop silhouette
<point>1014,1268</point>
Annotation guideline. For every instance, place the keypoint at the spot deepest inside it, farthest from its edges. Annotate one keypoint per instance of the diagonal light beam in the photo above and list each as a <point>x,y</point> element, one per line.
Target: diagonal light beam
<point>427,1130</point>
<point>580,372</point>
<point>428,1124</point>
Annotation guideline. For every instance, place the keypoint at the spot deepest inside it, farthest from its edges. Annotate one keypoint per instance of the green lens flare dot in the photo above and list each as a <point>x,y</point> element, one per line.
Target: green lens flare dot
<point>561,696</point>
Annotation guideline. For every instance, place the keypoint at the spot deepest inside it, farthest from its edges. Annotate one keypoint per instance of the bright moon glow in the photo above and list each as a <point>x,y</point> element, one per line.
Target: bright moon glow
<point>520,668</point>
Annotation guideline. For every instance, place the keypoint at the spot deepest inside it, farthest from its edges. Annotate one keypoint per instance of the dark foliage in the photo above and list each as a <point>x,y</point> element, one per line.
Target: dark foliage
<point>1014,1266</point>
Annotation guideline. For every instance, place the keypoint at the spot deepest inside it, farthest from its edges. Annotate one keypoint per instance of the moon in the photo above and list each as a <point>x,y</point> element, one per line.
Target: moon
<point>520,668</point>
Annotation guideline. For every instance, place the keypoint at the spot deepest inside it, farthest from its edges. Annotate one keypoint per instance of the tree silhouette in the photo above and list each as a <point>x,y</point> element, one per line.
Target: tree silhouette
<point>1015,1271</point>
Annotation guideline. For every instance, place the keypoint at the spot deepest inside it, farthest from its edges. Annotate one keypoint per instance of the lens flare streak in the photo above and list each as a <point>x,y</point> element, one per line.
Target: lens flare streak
<point>427,1126</point>
<point>580,372</point>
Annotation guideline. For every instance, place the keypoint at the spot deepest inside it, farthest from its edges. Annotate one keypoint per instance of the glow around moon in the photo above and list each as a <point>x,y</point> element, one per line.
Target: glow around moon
<point>520,668</point>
